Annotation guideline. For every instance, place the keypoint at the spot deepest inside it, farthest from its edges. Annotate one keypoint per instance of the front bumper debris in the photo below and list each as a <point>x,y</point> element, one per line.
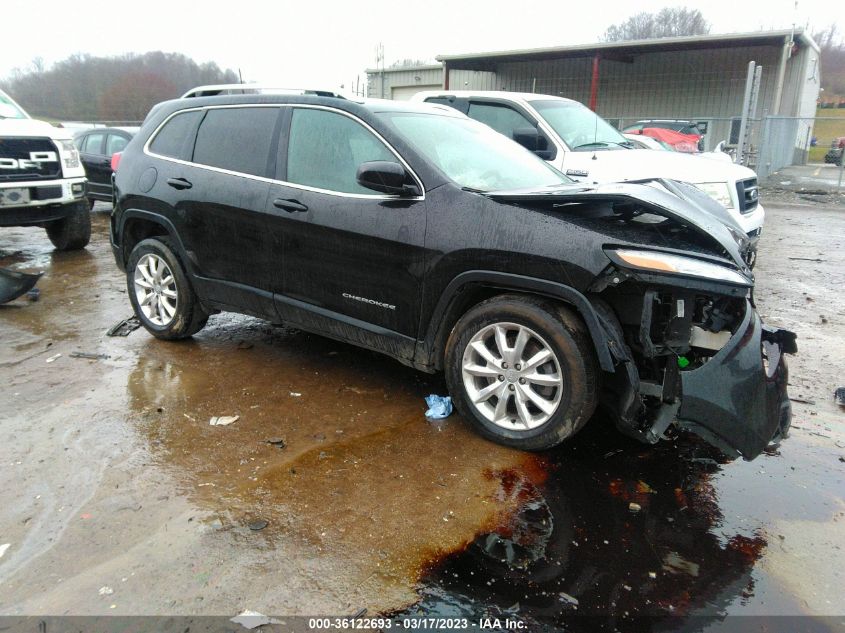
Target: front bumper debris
<point>738,400</point>
<point>14,284</point>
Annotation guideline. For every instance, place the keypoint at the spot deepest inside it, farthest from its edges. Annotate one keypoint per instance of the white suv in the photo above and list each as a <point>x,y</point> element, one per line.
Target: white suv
<point>42,182</point>
<point>585,147</point>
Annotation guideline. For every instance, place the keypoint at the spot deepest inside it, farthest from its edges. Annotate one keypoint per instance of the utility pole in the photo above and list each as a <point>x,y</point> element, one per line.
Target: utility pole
<point>380,60</point>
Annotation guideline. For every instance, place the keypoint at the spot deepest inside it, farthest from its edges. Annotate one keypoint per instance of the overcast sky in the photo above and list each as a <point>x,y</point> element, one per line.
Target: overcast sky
<point>325,44</point>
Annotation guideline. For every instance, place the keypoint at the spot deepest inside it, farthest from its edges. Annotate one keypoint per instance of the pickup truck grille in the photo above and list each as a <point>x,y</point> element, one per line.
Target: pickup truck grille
<point>28,159</point>
<point>747,194</point>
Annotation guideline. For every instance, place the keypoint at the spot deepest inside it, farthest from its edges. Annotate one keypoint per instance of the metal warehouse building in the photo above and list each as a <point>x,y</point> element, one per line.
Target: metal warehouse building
<point>700,78</point>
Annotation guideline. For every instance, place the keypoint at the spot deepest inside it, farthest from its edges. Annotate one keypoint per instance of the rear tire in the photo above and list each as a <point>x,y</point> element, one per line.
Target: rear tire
<point>74,231</point>
<point>160,293</point>
<point>536,393</point>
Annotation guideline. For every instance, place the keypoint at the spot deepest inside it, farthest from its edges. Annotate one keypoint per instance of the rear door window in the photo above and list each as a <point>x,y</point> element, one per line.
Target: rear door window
<point>237,139</point>
<point>115,143</point>
<point>93,143</point>
<point>326,148</point>
<point>174,139</point>
<point>501,118</point>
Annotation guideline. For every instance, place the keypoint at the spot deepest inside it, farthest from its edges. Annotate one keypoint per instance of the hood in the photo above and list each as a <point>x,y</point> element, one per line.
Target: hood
<point>670,199</point>
<point>635,164</point>
<point>32,127</point>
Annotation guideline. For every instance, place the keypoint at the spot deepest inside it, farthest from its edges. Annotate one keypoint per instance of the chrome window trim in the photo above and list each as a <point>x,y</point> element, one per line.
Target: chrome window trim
<point>274,181</point>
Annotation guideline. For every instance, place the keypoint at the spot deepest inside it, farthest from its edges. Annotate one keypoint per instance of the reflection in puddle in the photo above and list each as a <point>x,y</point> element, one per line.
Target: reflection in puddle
<point>578,547</point>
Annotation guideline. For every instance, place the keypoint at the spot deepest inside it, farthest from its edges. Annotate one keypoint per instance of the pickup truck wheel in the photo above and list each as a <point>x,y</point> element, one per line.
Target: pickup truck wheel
<point>160,292</point>
<point>523,371</point>
<point>74,231</point>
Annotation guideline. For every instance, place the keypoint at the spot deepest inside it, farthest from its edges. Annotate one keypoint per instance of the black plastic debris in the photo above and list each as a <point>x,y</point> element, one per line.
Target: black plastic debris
<point>839,396</point>
<point>13,284</point>
<point>125,327</point>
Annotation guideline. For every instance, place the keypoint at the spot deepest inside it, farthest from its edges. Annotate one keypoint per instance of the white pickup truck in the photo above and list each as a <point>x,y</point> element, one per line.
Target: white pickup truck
<point>42,181</point>
<point>585,147</point>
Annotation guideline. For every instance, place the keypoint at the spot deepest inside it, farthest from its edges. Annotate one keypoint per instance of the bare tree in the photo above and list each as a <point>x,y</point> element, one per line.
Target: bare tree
<point>668,22</point>
<point>124,88</point>
<point>832,62</point>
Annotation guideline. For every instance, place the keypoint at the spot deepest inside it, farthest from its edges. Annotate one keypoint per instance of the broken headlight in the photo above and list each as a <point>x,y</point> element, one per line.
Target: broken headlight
<point>658,262</point>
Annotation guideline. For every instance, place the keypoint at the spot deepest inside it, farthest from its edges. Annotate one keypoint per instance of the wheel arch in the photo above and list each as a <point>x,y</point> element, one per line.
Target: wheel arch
<point>137,225</point>
<point>471,287</point>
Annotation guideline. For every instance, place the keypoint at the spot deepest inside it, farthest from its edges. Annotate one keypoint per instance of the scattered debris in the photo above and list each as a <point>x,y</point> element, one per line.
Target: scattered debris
<point>89,355</point>
<point>644,488</point>
<point>674,563</point>
<point>439,407</point>
<point>802,400</point>
<point>223,420</point>
<point>652,575</point>
<point>106,591</point>
<point>278,442</point>
<point>565,597</point>
<point>125,327</point>
<point>257,525</point>
<point>704,460</point>
<point>359,613</point>
<point>53,358</point>
<point>634,507</point>
<point>252,619</point>
<point>807,259</point>
<point>3,548</point>
<point>839,396</point>
<point>33,295</point>
<point>612,453</point>
<point>13,284</point>
<point>245,345</point>
<point>295,394</point>
<point>189,417</point>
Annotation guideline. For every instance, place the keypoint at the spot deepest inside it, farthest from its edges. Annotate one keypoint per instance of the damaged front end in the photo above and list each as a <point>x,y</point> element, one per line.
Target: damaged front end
<point>675,301</point>
<point>702,362</point>
<point>692,352</point>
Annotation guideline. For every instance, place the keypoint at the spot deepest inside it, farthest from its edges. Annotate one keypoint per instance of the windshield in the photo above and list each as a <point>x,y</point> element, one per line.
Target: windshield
<point>8,109</point>
<point>580,128</point>
<point>473,155</point>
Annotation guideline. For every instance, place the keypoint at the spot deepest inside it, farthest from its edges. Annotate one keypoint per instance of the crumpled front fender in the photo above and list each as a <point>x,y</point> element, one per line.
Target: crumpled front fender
<point>738,400</point>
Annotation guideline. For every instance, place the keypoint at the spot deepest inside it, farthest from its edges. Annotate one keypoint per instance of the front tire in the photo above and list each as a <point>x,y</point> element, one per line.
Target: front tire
<point>522,370</point>
<point>160,292</point>
<point>74,231</point>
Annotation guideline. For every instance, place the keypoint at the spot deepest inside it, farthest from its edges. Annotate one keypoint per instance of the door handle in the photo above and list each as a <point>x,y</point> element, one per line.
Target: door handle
<point>290,206</point>
<point>179,183</point>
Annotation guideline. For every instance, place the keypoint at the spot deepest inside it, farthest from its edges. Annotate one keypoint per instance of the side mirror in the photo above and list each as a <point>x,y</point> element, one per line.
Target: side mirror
<point>528,137</point>
<point>533,141</point>
<point>386,177</point>
<point>720,147</point>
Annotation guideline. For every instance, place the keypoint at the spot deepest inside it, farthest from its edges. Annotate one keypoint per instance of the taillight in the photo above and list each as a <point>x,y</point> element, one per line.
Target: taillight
<point>115,160</point>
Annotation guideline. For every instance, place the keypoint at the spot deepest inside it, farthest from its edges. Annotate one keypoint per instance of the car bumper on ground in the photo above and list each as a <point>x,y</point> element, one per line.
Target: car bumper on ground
<point>36,202</point>
<point>738,400</point>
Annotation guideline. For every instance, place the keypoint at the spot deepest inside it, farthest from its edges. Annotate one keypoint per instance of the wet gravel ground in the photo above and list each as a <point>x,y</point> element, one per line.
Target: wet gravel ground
<point>331,493</point>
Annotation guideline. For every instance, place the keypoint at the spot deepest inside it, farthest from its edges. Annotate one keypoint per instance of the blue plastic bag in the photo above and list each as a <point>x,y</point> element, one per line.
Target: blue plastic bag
<point>439,407</point>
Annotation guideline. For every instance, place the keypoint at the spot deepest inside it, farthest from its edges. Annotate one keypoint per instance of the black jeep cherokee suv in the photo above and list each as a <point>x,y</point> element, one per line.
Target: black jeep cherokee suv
<point>417,232</point>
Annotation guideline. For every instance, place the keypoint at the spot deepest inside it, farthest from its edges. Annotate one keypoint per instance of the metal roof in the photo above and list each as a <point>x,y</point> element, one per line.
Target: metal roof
<point>629,47</point>
<point>400,69</point>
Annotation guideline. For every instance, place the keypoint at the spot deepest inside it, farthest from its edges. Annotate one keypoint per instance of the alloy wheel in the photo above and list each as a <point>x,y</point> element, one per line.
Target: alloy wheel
<point>512,376</point>
<point>155,289</point>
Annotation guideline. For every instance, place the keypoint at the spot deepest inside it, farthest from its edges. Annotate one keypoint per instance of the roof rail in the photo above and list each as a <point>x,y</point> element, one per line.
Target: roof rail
<point>244,89</point>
